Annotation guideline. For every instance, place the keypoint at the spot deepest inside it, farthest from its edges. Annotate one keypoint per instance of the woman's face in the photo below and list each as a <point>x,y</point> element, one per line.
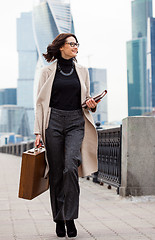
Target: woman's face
<point>68,50</point>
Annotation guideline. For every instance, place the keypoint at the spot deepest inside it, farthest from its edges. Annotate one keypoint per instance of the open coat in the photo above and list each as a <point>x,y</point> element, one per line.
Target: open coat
<point>42,115</point>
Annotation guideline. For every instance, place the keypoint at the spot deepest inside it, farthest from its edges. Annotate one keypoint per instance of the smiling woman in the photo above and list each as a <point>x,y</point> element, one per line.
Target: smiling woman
<point>67,130</point>
<point>65,45</point>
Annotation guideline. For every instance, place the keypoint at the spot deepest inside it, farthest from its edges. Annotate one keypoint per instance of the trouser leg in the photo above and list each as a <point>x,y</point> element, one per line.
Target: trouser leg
<point>73,141</point>
<point>55,155</point>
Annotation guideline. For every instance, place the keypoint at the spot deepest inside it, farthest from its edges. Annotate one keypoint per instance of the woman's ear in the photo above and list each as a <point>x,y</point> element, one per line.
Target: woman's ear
<point>61,48</point>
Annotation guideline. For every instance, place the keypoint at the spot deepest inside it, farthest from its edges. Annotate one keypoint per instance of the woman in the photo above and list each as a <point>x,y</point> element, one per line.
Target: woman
<point>66,129</point>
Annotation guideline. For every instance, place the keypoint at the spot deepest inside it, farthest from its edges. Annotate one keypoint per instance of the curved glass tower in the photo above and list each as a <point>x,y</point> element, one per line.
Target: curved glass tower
<point>50,18</point>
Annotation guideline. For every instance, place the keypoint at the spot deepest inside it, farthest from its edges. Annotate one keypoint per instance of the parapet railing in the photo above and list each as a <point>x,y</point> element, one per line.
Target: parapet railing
<point>109,157</point>
<point>17,149</point>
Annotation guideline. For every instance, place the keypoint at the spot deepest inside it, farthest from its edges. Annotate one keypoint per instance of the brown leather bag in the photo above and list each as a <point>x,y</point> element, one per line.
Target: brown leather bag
<point>32,181</point>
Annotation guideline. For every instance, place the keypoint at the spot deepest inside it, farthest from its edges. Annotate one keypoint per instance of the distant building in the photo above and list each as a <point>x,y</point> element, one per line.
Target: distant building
<point>8,96</point>
<point>50,18</point>
<point>141,11</point>
<point>151,59</point>
<point>14,119</point>
<point>139,100</point>
<point>136,77</point>
<point>98,83</point>
<point>27,58</point>
<point>9,138</point>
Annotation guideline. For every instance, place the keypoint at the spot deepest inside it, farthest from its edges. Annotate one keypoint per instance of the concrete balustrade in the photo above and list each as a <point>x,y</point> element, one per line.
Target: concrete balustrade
<point>138,156</point>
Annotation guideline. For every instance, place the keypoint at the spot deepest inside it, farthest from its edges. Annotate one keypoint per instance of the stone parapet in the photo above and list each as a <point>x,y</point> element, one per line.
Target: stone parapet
<point>138,156</point>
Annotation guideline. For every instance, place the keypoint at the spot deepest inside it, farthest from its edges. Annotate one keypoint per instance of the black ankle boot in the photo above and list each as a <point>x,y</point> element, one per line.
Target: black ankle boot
<point>60,228</point>
<point>71,229</point>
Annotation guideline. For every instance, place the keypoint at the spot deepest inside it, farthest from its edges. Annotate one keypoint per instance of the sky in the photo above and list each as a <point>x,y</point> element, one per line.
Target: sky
<point>102,27</point>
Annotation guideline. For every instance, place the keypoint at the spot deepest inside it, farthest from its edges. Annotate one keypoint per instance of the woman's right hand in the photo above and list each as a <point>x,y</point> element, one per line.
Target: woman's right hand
<point>38,139</point>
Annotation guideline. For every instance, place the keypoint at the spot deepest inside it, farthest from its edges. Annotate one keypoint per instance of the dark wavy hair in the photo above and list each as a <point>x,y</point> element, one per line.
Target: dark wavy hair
<point>53,50</point>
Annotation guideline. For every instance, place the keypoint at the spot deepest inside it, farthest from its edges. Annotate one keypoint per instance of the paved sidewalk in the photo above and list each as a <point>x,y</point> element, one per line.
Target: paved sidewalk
<point>104,215</point>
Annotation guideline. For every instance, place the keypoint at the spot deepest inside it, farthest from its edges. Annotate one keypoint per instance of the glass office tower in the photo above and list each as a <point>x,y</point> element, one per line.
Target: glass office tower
<point>136,72</point>
<point>138,87</point>
<point>27,60</point>
<point>8,96</point>
<point>98,83</point>
<point>141,11</point>
<point>50,18</point>
<point>151,58</point>
<point>14,119</point>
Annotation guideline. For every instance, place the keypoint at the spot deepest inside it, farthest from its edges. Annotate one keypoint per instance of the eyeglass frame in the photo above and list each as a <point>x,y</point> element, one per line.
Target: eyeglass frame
<point>73,44</point>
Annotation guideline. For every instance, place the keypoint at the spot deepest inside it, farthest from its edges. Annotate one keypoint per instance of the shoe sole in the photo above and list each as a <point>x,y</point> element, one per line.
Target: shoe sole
<point>72,238</point>
<point>61,237</point>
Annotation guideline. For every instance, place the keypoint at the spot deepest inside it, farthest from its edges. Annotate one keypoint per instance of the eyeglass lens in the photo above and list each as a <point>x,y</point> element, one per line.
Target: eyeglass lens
<point>73,44</point>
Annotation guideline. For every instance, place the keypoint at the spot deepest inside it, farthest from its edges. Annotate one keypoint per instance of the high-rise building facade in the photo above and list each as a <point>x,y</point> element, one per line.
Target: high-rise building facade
<point>151,58</point>
<point>138,86</point>
<point>50,18</point>
<point>27,60</point>
<point>98,83</point>
<point>141,11</point>
<point>14,119</point>
<point>8,96</point>
<point>136,72</point>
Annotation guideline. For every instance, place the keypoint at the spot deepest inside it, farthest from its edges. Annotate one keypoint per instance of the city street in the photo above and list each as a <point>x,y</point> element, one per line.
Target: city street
<point>103,215</point>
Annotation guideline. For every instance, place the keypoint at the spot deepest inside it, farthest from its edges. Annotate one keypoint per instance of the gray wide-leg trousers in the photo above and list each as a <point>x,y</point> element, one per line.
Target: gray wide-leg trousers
<point>64,137</point>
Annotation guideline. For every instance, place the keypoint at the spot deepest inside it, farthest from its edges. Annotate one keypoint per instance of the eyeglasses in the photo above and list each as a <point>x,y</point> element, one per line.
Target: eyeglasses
<point>73,44</point>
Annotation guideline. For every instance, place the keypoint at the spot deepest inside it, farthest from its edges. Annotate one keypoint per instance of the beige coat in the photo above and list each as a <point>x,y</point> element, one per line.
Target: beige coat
<point>42,114</point>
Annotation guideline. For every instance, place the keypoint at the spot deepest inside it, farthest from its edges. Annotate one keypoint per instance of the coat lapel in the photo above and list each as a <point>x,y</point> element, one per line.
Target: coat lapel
<point>80,75</point>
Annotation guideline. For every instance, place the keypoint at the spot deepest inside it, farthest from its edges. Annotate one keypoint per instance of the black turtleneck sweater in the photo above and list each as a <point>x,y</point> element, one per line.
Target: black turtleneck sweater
<point>66,90</point>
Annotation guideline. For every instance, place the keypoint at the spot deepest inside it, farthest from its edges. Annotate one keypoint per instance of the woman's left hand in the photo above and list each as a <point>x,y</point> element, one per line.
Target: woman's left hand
<point>91,103</point>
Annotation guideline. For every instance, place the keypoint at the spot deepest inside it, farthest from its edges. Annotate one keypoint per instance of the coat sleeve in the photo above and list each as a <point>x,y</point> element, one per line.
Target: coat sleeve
<point>41,82</point>
<point>88,90</point>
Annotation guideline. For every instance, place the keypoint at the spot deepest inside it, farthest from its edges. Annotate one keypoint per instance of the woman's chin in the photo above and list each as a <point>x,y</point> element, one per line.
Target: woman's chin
<point>74,54</point>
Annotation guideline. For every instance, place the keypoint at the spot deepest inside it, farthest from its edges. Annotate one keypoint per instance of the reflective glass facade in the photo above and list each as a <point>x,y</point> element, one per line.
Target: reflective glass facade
<point>14,119</point>
<point>136,76</point>
<point>50,18</point>
<point>27,60</point>
<point>141,10</point>
<point>139,89</point>
<point>8,96</point>
<point>98,83</point>
<point>151,57</point>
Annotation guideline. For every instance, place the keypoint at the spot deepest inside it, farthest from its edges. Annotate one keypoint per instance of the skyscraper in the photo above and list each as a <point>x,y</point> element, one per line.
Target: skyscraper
<point>141,11</point>
<point>151,58</point>
<point>8,96</point>
<point>27,60</point>
<point>136,72</point>
<point>98,83</point>
<point>138,87</point>
<point>50,18</point>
